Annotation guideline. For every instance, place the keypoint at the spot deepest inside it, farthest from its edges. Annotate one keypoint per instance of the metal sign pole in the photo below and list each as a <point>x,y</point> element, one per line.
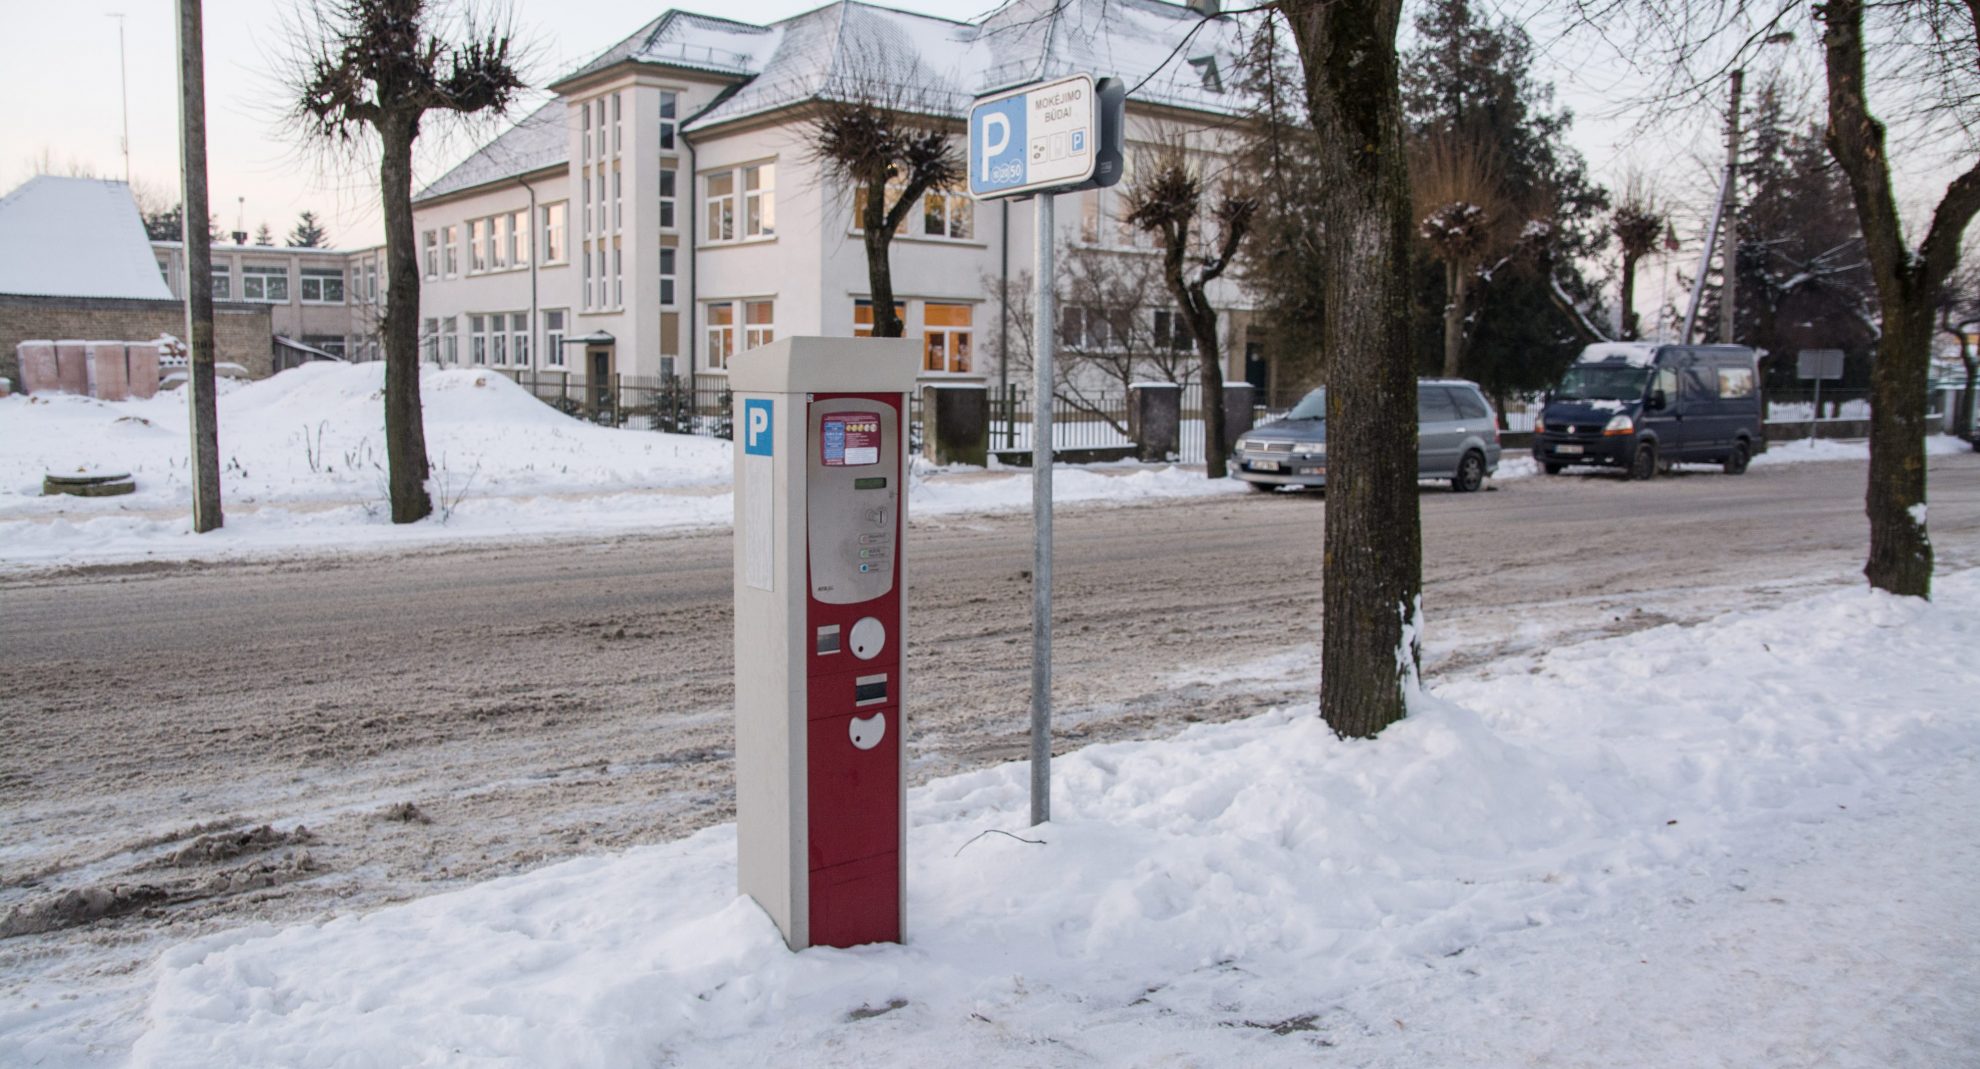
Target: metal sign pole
<point>1043,338</point>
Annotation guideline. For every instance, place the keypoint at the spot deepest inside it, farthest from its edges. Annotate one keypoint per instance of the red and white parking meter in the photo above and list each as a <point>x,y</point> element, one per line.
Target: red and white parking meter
<point>821,427</point>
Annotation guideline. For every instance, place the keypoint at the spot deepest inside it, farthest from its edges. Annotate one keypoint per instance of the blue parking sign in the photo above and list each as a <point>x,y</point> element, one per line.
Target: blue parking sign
<point>757,439</point>
<point>996,146</point>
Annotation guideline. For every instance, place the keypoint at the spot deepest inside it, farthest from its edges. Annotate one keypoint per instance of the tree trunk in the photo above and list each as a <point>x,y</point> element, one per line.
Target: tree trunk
<point>1900,550</point>
<point>1457,288</point>
<point>1202,321</point>
<point>879,270</point>
<point>405,425</point>
<point>1629,321</point>
<point>1373,560</point>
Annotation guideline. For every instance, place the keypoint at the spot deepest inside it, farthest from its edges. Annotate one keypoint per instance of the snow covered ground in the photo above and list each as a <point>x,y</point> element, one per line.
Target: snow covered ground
<point>1753,842</point>
<point>303,459</point>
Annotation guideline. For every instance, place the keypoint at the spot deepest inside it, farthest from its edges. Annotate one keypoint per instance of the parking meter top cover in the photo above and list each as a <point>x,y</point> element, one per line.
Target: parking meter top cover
<point>822,365</point>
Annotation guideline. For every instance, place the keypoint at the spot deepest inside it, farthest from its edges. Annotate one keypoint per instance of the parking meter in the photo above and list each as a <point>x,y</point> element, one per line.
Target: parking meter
<point>821,428</point>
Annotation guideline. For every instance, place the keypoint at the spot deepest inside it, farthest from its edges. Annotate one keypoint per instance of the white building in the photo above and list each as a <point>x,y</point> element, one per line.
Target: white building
<point>663,211</point>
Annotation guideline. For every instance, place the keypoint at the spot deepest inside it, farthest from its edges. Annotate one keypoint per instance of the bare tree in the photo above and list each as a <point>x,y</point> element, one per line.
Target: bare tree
<point>1926,52</point>
<point>875,138</point>
<point>1107,340</point>
<point>376,68</point>
<point>1462,209</point>
<point>1370,648</point>
<point>1638,222</point>
<point>1166,198</point>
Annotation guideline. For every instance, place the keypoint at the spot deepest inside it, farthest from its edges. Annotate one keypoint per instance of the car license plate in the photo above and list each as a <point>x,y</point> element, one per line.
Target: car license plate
<point>1265,465</point>
<point>1568,450</point>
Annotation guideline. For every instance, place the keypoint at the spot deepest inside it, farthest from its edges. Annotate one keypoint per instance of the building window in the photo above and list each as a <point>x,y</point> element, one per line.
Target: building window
<point>760,200</point>
<point>477,247</point>
<point>554,251</point>
<point>759,323</point>
<point>618,216</point>
<point>618,283</point>
<point>615,123</point>
<point>670,104</point>
<point>478,339</point>
<point>498,340</point>
<point>668,177</point>
<point>266,284</point>
<point>519,338</point>
<point>498,242</point>
<point>553,336</point>
<point>599,126</point>
<point>323,285</point>
<point>584,265</point>
<point>721,334</point>
<point>604,280</point>
<point>450,248</point>
<point>371,281</point>
<point>586,108</point>
<point>599,200</point>
<point>722,206</point>
<point>946,214</point>
<point>1172,330</point>
<point>669,258</point>
<point>945,339</point>
<point>518,230</point>
<point>430,243</point>
<point>863,317</point>
<point>450,340</point>
<point>429,339</point>
<point>223,284</point>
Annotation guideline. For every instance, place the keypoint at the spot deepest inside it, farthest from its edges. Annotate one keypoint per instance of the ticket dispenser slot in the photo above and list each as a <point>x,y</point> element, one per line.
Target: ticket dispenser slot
<point>820,634</point>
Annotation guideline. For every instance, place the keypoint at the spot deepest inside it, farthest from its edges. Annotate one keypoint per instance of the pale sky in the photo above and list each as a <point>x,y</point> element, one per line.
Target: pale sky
<point>59,95</point>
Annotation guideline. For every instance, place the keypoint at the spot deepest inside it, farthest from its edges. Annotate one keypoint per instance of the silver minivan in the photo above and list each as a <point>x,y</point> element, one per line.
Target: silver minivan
<point>1457,439</point>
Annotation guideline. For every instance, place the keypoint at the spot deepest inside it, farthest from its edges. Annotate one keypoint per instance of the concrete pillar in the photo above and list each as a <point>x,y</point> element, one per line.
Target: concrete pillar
<point>1155,417</point>
<point>1237,412</point>
<point>38,368</point>
<point>955,423</point>
<point>144,368</point>
<point>72,367</point>
<point>109,371</point>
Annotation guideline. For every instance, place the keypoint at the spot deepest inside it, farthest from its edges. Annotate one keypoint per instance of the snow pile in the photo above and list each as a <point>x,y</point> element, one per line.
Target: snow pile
<point>317,433</point>
<point>1240,892</point>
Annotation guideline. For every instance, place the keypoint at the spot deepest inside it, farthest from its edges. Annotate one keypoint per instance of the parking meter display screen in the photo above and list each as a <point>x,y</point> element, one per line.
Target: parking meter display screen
<point>849,439</point>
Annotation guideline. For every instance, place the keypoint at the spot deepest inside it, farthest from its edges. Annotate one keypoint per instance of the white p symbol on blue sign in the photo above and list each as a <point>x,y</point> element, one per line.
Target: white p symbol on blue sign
<point>756,427</point>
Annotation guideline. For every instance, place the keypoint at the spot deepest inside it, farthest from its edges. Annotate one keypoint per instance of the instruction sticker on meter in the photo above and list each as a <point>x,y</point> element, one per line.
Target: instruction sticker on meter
<point>849,439</point>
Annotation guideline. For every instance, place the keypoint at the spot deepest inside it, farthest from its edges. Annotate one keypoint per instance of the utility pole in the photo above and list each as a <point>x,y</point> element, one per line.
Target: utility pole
<point>199,271</point>
<point>1729,293</point>
<point>124,87</point>
<point>1044,341</point>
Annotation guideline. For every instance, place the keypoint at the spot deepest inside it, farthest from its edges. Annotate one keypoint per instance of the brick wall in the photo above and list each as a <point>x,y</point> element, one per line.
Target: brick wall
<point>242,332</point>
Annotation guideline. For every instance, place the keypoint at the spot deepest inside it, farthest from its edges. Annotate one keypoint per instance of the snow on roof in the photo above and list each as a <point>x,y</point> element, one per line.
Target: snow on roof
<point>852,50</point>
<point>539,140</point>
<point>76,237</point>
<point>1635,354</point>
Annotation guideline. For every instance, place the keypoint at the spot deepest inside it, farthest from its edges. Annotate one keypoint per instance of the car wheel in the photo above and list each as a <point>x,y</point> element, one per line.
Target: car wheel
<point>1470,474</point>
<point>1737,460</point>
<point>1553,469</point>
<point>1643,467</point>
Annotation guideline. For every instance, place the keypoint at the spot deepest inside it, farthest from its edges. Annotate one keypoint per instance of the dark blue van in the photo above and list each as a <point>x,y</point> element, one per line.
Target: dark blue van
<point>1643,407</point>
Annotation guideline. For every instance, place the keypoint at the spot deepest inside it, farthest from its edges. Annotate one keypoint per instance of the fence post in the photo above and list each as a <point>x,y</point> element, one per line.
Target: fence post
<point>955,420</point>
<point>1155,409</point>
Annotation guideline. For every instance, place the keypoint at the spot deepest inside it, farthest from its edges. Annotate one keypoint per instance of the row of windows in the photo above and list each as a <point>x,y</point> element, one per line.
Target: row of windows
<point>1109,330</point>
<point>495,242</point>
<point>944,213</point>
<point>497,339</point>
<point>947,332</point>
<point>266,284</point>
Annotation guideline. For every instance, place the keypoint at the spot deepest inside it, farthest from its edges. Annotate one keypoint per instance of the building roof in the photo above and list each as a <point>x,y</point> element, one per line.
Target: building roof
<point>1166,53</point>
<point>76,237</point>
<point>539,140</point>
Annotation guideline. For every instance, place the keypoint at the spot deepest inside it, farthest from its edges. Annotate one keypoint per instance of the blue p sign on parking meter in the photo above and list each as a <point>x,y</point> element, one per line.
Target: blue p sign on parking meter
<point>756,427</point>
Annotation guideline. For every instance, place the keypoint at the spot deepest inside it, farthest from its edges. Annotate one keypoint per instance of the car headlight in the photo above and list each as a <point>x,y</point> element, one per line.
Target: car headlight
<point>1620,424</point>
<point>1319,450</point>
<point>1244,444</point>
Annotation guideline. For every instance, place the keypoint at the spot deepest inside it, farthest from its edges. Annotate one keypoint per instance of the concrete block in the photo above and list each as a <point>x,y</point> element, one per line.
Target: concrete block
<point>38,368</point>
<point>110,371</point>
<point>143,358</point>
<point>72,367</point>
<point>956,423</point>
<point>1155,410</point>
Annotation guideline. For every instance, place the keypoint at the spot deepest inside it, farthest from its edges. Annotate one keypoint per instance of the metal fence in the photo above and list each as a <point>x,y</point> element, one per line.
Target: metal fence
<point>1087,421</point>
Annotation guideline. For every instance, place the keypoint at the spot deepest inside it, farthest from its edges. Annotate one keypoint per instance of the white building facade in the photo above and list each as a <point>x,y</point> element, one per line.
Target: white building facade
<point>664,210</point>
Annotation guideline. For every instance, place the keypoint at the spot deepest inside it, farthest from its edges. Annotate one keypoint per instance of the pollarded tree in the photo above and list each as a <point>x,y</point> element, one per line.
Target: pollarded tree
<point>872,138</point>
<point>1637,223</point>
<point>377,68</point>
<point>1462,212</point>
<point>1166,199</point>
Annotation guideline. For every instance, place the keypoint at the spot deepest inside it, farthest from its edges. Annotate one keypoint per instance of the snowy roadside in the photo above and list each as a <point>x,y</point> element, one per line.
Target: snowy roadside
<point>1751,842</point>
<point>303,474</point>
